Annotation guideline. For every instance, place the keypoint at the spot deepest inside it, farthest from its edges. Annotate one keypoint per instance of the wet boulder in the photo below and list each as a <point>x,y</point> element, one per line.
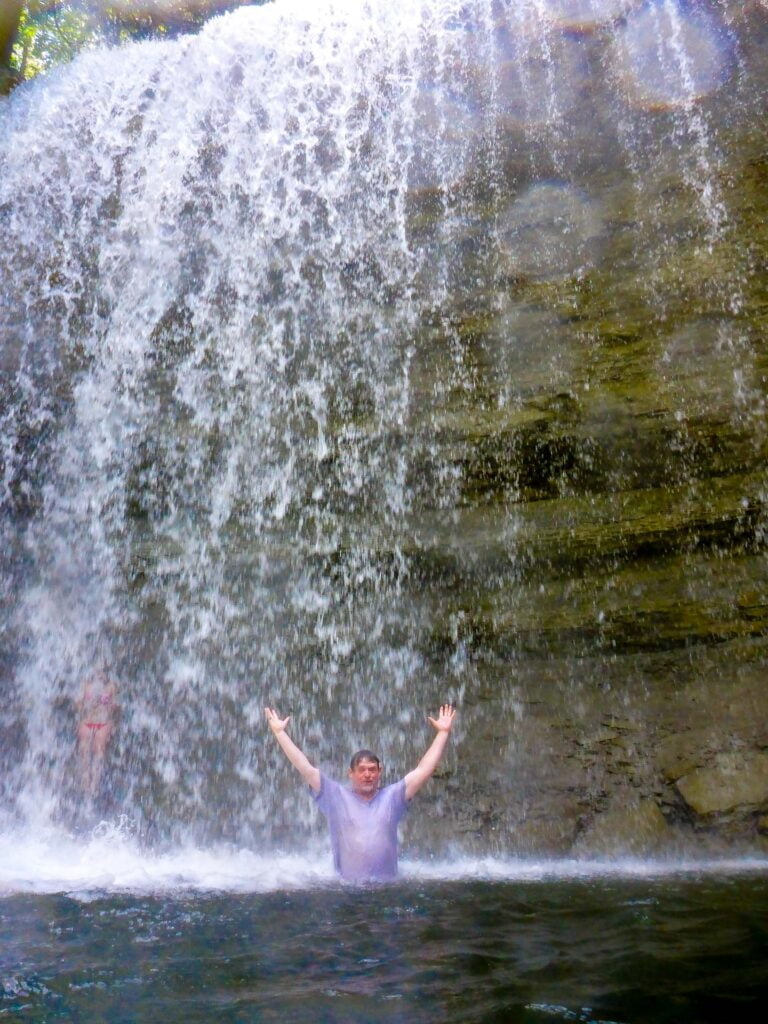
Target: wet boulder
<point>736,782</point>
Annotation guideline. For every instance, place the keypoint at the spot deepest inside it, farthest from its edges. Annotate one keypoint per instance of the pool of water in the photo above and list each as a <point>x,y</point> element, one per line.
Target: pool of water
<point>266,939</point>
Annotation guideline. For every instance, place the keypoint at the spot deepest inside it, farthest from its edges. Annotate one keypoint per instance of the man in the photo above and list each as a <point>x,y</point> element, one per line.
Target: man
<point>362,818</point>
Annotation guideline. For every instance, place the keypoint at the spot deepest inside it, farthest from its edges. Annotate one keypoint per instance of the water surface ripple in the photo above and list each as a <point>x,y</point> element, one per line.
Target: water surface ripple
<point>679,949</point>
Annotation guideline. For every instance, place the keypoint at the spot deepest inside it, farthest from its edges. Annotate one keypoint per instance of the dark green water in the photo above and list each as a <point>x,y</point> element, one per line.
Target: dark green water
<point>679,950</point>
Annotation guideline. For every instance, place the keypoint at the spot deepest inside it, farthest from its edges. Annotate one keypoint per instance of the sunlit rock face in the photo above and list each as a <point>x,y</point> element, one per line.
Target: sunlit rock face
<point>671,53</point>
<point>584,15</point>
<point>538,75</point>
<point>441,138</point>
<point>359,356</point>
<point>550,231</point>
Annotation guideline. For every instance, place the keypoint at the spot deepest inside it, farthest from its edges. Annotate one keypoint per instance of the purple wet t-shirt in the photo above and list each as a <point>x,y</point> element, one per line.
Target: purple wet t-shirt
<point>363,832</point>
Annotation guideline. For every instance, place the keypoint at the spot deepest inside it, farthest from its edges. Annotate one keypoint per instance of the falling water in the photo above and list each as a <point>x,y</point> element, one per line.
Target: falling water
<point>286,309</point>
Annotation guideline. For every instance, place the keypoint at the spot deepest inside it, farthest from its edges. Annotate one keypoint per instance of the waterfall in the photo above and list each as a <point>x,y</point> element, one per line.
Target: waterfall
<point>286,309</point>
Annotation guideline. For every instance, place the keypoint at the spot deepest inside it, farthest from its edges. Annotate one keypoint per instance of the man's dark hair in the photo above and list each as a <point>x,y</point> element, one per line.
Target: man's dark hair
<point>363,755</point>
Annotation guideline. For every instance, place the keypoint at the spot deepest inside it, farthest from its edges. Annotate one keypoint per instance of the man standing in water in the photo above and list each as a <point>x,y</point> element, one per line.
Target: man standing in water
<point>362,818</point>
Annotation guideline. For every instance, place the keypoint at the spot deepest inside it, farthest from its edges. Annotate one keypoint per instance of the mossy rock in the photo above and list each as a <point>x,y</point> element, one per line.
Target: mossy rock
<point>734,782</point>
<point>655,605</point>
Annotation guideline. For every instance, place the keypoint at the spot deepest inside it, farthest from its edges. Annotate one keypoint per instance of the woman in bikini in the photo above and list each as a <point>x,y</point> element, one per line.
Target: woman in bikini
<point>97,706</point>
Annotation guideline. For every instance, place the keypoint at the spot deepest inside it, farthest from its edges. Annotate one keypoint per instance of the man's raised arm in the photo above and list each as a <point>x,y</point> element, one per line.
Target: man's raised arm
<point>415,780</point>
<point>297,757</point>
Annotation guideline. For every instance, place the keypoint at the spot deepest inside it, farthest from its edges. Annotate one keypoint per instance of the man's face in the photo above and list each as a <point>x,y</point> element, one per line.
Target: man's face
<point>365,778</point>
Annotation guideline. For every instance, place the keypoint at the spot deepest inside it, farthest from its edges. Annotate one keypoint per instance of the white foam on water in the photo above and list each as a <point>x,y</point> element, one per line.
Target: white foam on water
<point>499,869</point>
<point>110,861</point>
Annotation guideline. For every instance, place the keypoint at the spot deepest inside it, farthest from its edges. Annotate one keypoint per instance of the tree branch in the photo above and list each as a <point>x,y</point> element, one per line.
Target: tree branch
<point>10,19</point>
<point>177,15</point>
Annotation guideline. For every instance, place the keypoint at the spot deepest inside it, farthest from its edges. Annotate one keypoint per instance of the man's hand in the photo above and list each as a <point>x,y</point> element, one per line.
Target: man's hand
<point>276,723</point>
<point>296,756</point>
<point>415,780</point>
<point>444,720</point>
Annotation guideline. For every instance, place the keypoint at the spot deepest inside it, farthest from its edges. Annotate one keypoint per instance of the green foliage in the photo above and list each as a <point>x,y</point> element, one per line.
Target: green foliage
<point>51,32</point>
<point>47,38</point>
